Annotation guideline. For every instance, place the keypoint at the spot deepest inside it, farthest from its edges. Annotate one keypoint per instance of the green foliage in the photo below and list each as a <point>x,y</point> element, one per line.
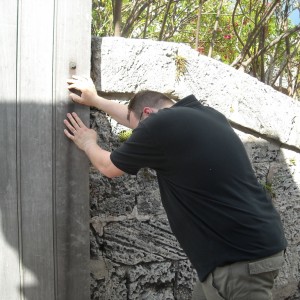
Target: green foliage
<point>293,161</point>
<point>124,135</point>
<point>245,35</point>
<point>181,65</point>
<point>269,189</point>
<point>102,18</point>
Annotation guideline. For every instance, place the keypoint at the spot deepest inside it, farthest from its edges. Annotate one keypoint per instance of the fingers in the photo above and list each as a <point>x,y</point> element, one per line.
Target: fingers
<point>76,78</point>
<point>76,98</point>
<point>72,85</point>
<point>69,126</point>
<point>67,133</point>
<point>75,88</point>
<point>75,121</point>
<point>82,90</point>
<point>78,120</point>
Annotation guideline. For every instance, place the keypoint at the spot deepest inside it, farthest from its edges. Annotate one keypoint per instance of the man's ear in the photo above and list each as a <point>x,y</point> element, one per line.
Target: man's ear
<point>147,110</point>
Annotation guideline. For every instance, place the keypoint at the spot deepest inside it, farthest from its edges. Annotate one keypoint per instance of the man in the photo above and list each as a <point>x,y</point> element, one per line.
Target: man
<point>219,213</point>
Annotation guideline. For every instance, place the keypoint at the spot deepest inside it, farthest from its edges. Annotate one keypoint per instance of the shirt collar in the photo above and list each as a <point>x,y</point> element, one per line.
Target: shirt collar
<point>190,101</point>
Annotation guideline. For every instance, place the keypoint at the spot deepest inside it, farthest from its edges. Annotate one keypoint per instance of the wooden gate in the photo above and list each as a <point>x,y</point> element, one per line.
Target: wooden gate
<point>44,193</point>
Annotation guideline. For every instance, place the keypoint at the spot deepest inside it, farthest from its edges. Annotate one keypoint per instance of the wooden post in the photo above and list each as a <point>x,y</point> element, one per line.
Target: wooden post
<point>44,205</point>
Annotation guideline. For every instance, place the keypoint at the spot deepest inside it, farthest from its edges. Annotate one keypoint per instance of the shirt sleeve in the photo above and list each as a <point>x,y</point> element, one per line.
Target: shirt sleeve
<point>141,150</point>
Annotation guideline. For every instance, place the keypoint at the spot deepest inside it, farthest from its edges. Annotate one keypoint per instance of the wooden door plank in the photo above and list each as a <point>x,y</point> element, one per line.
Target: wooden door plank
<point>44,234</point>
<point>9,227</point>
<point>72,45</point>
<point>35,56</point>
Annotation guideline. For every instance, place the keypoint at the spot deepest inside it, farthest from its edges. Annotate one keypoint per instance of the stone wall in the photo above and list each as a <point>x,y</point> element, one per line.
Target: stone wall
<point>134,254</point>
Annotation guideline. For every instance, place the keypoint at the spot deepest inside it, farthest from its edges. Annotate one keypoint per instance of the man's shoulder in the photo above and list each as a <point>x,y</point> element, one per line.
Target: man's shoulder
<point>189,101</point>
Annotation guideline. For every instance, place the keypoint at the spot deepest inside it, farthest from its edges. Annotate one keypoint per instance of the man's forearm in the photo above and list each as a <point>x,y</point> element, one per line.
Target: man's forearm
<point>116,110</point>
<point>100,159</point>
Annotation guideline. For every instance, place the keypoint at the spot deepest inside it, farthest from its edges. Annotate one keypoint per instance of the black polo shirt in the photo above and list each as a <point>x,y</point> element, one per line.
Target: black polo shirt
<point>217,210</point>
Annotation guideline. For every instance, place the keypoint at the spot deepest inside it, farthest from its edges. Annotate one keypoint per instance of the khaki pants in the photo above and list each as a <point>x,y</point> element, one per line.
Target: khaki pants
<point>251,280</point>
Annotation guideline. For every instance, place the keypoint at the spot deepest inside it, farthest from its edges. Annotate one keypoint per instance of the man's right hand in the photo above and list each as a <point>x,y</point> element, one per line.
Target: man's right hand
<point>89,97</point>
<point>87,88</point>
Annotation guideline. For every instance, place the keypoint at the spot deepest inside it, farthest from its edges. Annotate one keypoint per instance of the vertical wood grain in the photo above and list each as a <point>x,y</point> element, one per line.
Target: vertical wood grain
<point>44,204</point>
<point>72,45</point>
<point>34,126</point>
<point>10,278</point>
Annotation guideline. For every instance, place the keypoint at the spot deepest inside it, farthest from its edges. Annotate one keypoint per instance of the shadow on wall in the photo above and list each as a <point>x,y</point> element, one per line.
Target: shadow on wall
<point>133,251</point>
<point>44,238</point>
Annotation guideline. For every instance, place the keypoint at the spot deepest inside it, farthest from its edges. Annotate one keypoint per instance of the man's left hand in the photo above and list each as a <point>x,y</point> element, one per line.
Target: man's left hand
<point>77,132</point>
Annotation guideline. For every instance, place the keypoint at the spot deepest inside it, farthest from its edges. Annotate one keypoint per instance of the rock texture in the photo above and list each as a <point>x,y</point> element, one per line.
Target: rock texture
<point>134,254</point>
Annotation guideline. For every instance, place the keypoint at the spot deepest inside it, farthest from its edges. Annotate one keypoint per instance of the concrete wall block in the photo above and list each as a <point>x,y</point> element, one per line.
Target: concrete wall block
<point>242,98</point>
<point>165,280</point>
<point>185,280</point>
<point>134,65</point>
<point>132,242</point>
<point>107,200</point>
<point>151,281</point>
<point>148,195</point>
<point>128,66</point>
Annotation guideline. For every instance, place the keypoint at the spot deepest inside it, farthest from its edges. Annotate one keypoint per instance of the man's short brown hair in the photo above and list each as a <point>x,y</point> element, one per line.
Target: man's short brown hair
<point>147,98</point>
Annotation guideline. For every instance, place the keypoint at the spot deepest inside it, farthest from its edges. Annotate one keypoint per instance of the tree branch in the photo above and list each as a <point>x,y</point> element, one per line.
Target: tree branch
<point>164,20</point>
<point>212,42</point>
<point>254,34</point>
<point>274,42</point>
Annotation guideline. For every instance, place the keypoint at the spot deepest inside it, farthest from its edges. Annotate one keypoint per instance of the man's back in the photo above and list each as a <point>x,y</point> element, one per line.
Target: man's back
<point>216,208</point>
